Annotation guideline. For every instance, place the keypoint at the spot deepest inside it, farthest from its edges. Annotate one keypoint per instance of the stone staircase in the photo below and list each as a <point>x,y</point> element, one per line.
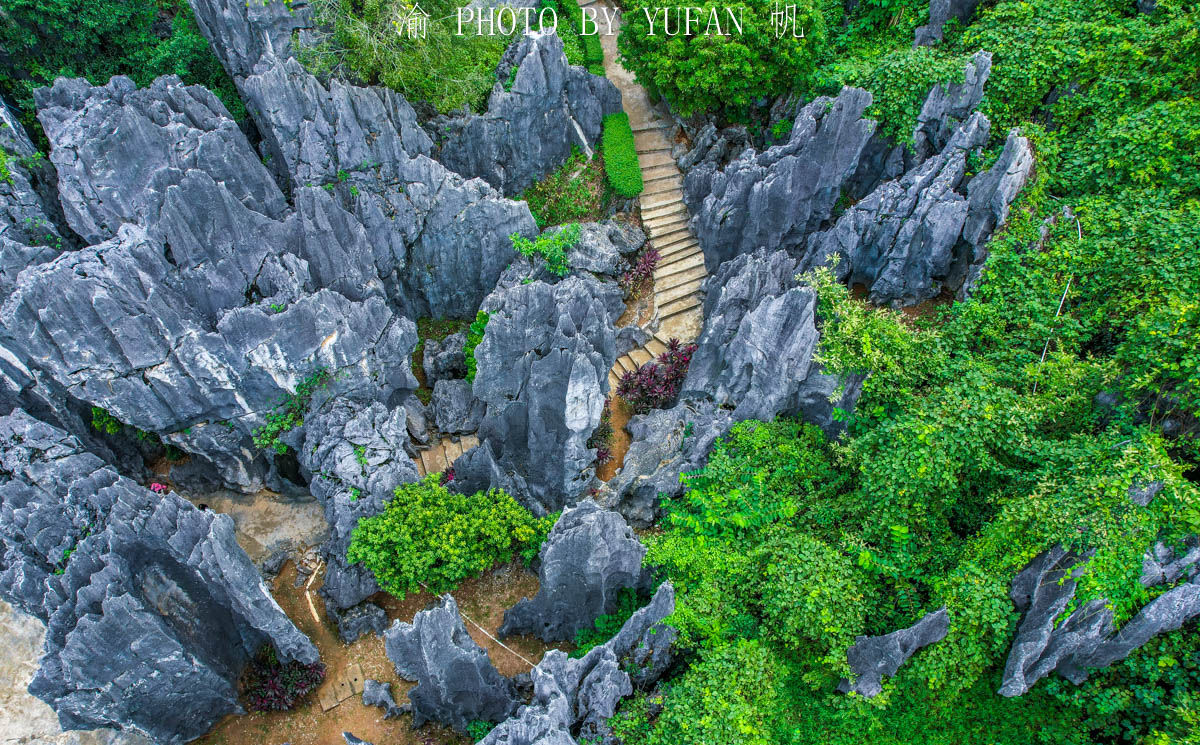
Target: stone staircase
<point>678,299</point>
<point>442,454</point>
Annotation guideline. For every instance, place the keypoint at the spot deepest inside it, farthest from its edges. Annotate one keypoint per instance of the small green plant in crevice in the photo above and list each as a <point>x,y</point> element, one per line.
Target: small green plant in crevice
<point>606,627</point>
<point>601,439</point>
<point>551,247</point>
<point>360,455</point>
<point>477,729</point>
<point>104,422</point>
<point>5,170</point>
<point>278,307</point>
<point>428,536</point>
<point>289,411</point>
<point>474,336</point>
<point>512,77</point>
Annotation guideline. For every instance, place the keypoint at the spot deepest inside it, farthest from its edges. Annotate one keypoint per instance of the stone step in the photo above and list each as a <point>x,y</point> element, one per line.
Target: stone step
<point>652,145</point>
<point>668,223</point>
<point>641,356</point>
<point>453,450</point>
<point>626,364</point>
<point>683,305</point>
<point>684,264</point>
<point>661,186</point>
<point>613,381</point>
<point>660,201</point>
<point>434,459</point>
<point>680,252</point>
<point>667,239</point>
<point>658,172</point>
<point>651,139</point>
<point>646,126</point>
<point>651,160</point>
<point>656,347</point>
<point>468,442</point>
<point>667,296</point>
<point>676,207</point>
<point>667,281</point>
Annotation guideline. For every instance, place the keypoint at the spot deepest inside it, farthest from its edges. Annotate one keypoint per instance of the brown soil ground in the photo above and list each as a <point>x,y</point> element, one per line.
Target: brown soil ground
<point>483,599</point>
<point>620,415</point>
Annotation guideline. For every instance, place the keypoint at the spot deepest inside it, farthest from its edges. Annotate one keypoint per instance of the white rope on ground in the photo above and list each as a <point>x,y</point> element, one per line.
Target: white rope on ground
<point>1062,301</point>
<point>485,631</point>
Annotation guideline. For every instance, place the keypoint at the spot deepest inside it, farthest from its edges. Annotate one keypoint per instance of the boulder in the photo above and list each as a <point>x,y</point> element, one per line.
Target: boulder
<point>354,455</point>
<point>777,197</point>
<point>456,410</point>
<point>456,682</point>
<point>873,657</point>
<point>359,620</point>
<point>941,11</point>
<point>602,246</point>
<point>590,555</point>
<point>242,34</point>
<point>152,608</point>
<point>580,695</point>
<point>664,443</point>
<point>755,354</point>
<point>542,370</point>
<point>1163,565</point>
<point>380,694</point>
<point>536,91</point>
<point>444,360</point>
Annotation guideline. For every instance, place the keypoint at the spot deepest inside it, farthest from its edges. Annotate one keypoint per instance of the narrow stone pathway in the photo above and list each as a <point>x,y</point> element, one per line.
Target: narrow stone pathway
<point>441,455</point>
<point>678,299</point>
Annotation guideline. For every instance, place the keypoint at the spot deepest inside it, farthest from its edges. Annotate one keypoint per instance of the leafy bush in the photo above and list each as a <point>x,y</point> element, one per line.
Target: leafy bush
<point>474,335</point>
<point>428,536</point>
<point>96,39</point>
<point>606,626</point>
<point>573,193</point>
<point>708,73</point>
<point>271,685</point>
<point>289,411</point>
<point>640,271</point>
<point>448,71</point>
<point>620,155</point>
<point>552,247</point>
<point>477,729</point>
<point>655,385</point>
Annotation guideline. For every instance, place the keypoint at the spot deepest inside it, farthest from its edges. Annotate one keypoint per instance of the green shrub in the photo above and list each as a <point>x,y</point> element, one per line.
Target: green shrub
<point>474,336</point>
<point>552,247</point>
<point>620,156</point>
<point>289,411</point>
<point>96,39</point>
<point>709,73</point>
<point>430,536</point>
<point>606,626</point>
<point>573,193</point>
<point>5,171</point>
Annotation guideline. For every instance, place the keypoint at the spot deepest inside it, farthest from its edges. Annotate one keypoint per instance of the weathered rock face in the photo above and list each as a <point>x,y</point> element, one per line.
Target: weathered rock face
<point>664,443</point>
<point>580,695</point>
<point>456,410</point>
<point>456,682</point>
<point>542,370</point>
<point>947,106</point>
<point>1085,640</point>
<point>1163,565</point>
<point>380,694</point>
<point>941,11</point>
<point>152,609</point>
<point>588,557</point>
<point>363,618</point>
<point>755,353</point>
<point>777,197</point>
<point>873,657</point>
<point>241,36</point>
<point>564,105</point>
<point>354,456</point>
<point>444,360</point>
<point>602,245</point>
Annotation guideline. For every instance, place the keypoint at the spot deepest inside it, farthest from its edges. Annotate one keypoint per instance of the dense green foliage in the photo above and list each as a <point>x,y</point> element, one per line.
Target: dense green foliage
<point>551,246</point>
<point>474,335</point>
<point>570,27</point>
<point>96,39</point>
<point>448,71</point>
<point>431,538</point>
<point>606,626</point>
<point>710,72</point>
<point>967,455</point>
<point>573,193</point>
<point>620,156</point>
<point>289,411</point>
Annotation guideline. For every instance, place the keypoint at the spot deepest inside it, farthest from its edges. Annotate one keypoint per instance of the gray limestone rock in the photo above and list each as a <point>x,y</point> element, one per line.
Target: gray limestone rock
<point>776,198</point>
<point>152,608</point>
<point>363,618</point>
<point>603,245</point>
<point>1142,493</point>
<point>755,352</point>
<point>354,456</point>
<point>542,370</point>
<point>352,740</point>
<point>243,33</point>
<point>663,444</point>
<point>456,682</point>
<point>873,657</point>
<point>380,694</point>
<point>456,410</point>
<point>588,557</point>
<point>947,106</point>
<point>941,11</point>
<point>444,360</point>
<point>1164,565</point>
<point>580,695</point>
<point>564,105</point>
